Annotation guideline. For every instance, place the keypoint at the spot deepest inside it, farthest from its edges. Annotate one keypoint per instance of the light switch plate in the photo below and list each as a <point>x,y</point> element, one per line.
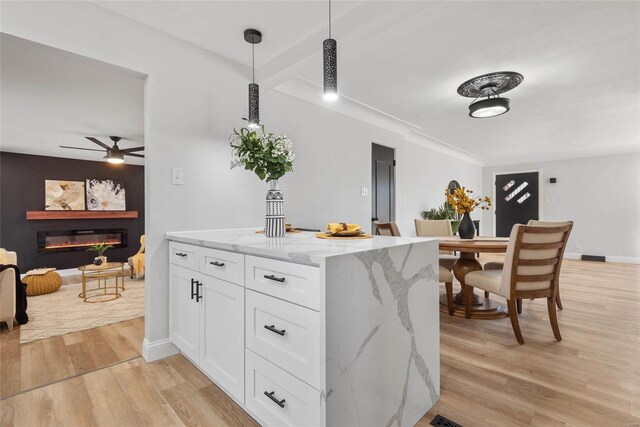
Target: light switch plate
<point>364,191</point>
<point>177,176</point>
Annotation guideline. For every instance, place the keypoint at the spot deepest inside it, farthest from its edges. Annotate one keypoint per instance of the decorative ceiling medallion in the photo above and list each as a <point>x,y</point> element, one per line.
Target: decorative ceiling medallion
<point>500,82</point>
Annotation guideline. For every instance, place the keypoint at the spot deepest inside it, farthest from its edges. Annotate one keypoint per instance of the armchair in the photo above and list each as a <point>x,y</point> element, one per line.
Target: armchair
<point>8,288</point>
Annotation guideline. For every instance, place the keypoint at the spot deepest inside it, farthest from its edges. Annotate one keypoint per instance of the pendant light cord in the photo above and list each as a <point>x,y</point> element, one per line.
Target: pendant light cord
<point>329,18</point>
<point>253,63</point>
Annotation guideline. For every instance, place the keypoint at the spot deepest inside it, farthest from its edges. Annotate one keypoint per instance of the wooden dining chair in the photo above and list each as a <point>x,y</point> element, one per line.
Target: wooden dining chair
<point>437,228</point>
<point>386,229</point>
<point>531,270</point>
<point>497,265</point>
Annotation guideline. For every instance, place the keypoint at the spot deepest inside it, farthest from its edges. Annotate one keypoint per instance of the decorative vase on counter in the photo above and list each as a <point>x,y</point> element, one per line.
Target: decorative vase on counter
<point>466,229</point>
<point>274,223</point>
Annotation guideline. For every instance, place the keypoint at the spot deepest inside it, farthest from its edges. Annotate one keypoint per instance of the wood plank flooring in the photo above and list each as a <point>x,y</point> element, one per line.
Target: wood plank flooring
<point>591,378</point>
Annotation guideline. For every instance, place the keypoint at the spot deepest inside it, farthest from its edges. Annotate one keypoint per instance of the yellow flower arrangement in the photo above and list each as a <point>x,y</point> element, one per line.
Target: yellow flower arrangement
<point>463,200</point>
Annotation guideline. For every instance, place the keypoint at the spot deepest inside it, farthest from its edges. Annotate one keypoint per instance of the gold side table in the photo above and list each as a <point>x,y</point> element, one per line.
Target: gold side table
<point>102,273</point>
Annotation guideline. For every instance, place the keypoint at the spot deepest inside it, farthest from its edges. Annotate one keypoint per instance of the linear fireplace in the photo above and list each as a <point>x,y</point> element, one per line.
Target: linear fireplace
<point>80,240</point>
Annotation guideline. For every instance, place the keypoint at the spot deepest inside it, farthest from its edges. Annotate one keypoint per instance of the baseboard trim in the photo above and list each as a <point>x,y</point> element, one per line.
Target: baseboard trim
<point>621,259</point>
<point>156,350</point>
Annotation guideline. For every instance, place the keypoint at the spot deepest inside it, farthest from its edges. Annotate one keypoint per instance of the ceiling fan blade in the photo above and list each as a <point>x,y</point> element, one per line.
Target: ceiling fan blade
<point>78,148</point>
<point>133,155</point>
<point>102,144</point>
<point>130,150</point>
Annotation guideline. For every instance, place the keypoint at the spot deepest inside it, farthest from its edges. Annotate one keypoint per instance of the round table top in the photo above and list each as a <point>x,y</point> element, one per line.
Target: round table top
<point>475,245</point>
<point>101,267</point>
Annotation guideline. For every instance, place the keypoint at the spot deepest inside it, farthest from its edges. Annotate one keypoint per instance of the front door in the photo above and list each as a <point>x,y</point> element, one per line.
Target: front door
<point>382,183</point>
<point>517,200</point>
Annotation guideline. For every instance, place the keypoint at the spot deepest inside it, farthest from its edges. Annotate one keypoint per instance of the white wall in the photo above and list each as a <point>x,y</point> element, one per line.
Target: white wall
<point>193,99</point>
<point>600,194</point>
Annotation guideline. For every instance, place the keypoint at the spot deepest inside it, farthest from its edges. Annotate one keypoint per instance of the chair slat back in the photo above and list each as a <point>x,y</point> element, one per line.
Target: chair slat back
<point>434,228</point>
<point>534,256</point>
<point>387,229</point>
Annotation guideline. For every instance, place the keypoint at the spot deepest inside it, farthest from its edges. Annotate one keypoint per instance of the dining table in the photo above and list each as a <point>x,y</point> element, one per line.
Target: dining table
<point>481,307</point>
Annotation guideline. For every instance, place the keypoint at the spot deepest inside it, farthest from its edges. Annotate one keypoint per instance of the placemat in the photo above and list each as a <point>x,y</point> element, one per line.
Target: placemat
<point>329,236</point>
<point>293,230</point>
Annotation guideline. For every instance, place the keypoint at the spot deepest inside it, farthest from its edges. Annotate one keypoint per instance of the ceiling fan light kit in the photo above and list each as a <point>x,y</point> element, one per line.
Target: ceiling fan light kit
<point>489,85</point>
<point>253,37</point>
<point>115,154</point>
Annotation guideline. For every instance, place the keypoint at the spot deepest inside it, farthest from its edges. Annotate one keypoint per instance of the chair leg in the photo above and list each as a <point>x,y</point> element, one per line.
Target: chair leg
<point>449,287</point>
<point>513,315</point>
<point>519,305</point>
<point>486,294</point>
<point>558,302</point>
<point>551,304</point>
<point>468,296</point>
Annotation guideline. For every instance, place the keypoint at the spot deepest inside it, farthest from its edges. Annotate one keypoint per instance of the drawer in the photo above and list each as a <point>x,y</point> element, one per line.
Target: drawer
<point>278,398</point>
<point>297,283</point>
<point>184,255</point>
<point>228,266</point>
<point>285,334</point>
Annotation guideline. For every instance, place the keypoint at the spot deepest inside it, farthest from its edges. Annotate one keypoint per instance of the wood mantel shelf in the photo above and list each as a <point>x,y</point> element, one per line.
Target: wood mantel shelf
<point>44,215</point>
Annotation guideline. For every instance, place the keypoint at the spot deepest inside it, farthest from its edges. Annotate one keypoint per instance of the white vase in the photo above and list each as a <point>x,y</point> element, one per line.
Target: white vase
<point>274,223</point>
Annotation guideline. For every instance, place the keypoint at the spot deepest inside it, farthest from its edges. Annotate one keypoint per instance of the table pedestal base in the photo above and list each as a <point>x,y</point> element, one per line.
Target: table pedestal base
<point>481,308</point>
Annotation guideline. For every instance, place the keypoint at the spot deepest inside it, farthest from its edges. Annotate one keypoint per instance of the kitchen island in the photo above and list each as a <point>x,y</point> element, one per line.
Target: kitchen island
<point>302,331</point>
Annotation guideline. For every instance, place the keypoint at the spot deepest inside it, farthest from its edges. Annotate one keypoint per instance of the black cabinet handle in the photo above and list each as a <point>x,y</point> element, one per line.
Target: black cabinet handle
<point>198,294</point>
<point>217,264</point>
<point>193,294</point>
<point>273,329</point>
<point>274,278</point>
<point>180,254</point>
<point>280,403</point>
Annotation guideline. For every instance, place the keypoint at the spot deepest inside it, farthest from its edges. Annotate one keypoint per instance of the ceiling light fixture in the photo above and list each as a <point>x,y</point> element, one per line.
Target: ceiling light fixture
<point>330,62</point>
<point>253,37</point>
<point>115,157</point>
<point>490,86</point>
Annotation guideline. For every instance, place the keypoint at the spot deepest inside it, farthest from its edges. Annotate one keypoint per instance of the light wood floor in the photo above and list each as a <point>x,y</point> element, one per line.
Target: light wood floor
<point>591,378</point>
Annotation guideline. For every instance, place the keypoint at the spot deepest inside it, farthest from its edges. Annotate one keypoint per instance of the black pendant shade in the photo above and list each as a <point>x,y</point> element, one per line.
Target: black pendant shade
<point>253,37</point>
<point>330,60</point>
<point>489,85</point>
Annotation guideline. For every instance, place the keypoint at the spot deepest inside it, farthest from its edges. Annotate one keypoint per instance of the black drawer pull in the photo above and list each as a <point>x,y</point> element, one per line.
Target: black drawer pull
<point>217,264</point>
<point>194,294</point>
<point>180,254</point>
<point>272,328</point>
<point>280,403</point>
<point>274,278</point>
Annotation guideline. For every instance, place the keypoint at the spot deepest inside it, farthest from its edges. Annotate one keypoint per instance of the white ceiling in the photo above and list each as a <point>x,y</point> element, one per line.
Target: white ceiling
<point>51,97</point>
<point>580,60</point>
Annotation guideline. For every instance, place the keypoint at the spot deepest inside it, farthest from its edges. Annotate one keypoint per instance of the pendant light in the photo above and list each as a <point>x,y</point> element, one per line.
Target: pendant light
<point>253,37</point>
<point>490,86</point>
<point>330,62</point>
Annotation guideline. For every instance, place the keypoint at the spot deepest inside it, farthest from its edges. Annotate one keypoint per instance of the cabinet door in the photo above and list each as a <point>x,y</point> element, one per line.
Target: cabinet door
<point>184,321</point>
<point>222,345</point>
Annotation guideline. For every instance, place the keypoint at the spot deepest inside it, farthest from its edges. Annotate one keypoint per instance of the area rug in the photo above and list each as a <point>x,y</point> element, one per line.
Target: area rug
<point>63,311</point>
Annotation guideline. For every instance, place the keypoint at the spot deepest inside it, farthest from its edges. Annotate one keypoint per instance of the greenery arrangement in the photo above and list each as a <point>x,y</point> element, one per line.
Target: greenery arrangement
<point>463,201</point>
<point>100,248</point>
<point>267,155</point>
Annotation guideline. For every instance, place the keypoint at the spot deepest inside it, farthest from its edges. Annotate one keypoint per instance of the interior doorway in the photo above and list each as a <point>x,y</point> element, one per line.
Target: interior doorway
<point>517,200</point>
<point>383,183</point>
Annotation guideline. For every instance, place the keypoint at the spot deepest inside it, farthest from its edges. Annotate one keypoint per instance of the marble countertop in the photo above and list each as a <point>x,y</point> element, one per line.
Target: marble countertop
<point>304,247</point>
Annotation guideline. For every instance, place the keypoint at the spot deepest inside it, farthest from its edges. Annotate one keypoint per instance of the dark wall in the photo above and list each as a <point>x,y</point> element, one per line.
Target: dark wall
<point>22,179</point>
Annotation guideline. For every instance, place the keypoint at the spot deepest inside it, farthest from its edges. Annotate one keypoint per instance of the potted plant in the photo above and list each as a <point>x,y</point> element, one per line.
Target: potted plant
<point>445,211</point>
<point>464,202</point>
<point>270,157</point>
<point>99,249</point>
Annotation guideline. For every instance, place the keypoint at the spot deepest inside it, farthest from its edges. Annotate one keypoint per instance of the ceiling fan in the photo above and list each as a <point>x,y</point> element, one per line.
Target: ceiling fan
<point>115,154</point>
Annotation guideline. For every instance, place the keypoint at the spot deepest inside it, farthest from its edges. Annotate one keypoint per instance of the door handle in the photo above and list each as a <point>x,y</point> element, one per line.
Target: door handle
<point>273,329</point>
<point>217,264</point>
<point>193,294</point>
<point>280,403</point>
<point>180,254</point>
<point>374,219</point>
<point>274,278</point>
<point>198,294</point>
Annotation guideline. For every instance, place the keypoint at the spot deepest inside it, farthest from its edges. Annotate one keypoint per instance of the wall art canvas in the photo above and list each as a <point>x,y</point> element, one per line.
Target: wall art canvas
<point>105,195</point>
<point>63,195</point>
